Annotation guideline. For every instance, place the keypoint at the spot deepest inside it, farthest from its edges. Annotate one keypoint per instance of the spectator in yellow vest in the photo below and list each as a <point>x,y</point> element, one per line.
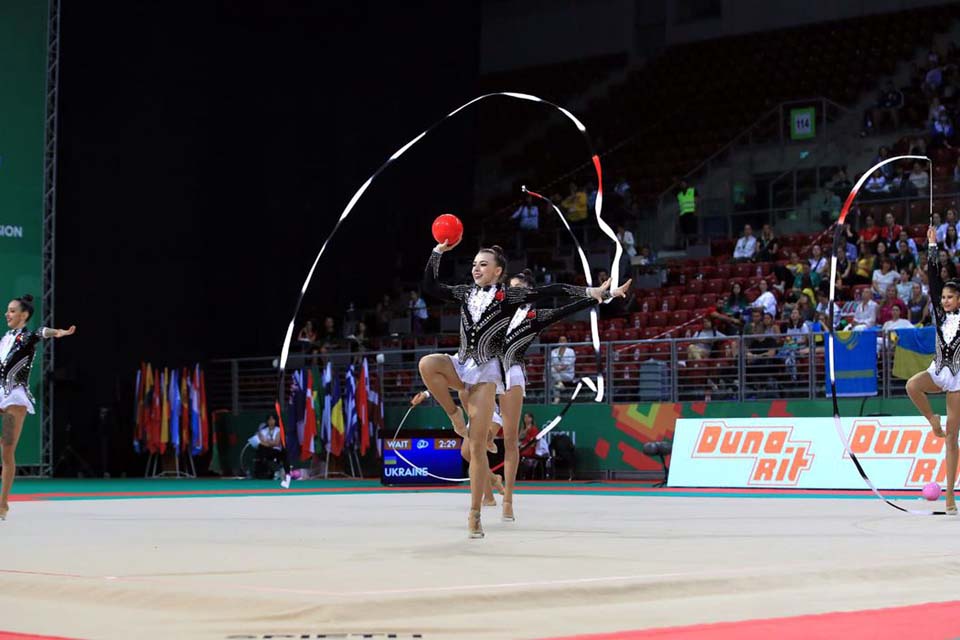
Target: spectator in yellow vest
<point>687,199</point>
<point>575,204</point>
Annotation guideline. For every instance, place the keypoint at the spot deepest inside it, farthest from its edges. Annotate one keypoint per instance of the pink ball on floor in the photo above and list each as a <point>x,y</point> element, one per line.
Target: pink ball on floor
<point>931,491</point>
<point>295,474</point>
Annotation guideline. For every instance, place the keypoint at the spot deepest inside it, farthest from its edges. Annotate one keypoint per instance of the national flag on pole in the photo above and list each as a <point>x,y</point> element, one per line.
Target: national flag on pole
<point>363,408</point>
<point>184,410</point>
<point>164,412</point>
<point>196,443</point>
<point>175,410</point>
<point>855,361</point>
<point>138,410</point>
<point>337,426</point>
<point>204,424</point>
<point>914,351</point>
<point>326,382</point>
<point>155,413</point>
<point>350,409</point>
<point>307,446</point>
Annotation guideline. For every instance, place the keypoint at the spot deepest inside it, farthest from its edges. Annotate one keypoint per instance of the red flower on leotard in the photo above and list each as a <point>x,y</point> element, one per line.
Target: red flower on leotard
<point>499,295</point>
<point>531,314</point>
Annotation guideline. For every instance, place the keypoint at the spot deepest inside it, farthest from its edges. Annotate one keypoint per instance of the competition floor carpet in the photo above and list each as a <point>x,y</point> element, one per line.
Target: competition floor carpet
<point>225,559</point>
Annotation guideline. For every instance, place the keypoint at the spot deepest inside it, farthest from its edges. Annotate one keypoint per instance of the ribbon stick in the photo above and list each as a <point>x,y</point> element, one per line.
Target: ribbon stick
<point>351,204</point>
<point>839,244</point>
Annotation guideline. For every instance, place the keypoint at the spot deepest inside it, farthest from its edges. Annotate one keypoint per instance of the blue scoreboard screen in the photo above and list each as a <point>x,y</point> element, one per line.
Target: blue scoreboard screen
<point>426,450</point>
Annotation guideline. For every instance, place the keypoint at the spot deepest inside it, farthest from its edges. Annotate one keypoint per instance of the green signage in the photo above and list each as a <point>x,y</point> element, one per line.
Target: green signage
<point>23,79</point>
<point>803,123</point>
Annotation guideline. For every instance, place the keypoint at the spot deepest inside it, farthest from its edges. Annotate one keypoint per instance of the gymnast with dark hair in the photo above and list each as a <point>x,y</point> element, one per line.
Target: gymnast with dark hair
<point>17,350</point>
<point>943,374</point>
<point>526,324</point>
<point>486,308</point>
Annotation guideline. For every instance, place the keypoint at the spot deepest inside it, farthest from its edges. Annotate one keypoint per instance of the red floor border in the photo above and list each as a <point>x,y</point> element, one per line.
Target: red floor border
<point>930,621</point>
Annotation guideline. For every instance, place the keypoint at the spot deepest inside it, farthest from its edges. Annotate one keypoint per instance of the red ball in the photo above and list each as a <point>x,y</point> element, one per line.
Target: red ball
<point>447,228</point>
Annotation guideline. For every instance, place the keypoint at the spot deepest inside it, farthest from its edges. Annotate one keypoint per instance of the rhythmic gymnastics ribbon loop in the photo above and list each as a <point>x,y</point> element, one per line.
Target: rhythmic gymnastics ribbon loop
<point>615,268</point>
<point>839,244</point>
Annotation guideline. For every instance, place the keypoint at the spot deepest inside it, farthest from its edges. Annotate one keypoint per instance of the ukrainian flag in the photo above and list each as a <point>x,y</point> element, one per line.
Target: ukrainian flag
<point>914,350</point>
<point>855,361</point>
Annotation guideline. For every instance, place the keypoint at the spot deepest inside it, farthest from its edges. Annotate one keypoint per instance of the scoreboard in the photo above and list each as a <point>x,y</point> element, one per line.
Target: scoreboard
<point>433,450</point>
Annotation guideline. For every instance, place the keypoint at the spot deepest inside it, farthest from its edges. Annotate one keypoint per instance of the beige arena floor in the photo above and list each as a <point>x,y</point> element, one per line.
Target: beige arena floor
<point>400,562</point>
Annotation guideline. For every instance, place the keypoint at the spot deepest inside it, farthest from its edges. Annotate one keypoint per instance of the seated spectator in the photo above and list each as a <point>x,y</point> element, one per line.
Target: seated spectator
<point>887,107</point>
<point>359,341</point>
<point>920,180</point>
<point>307,336</point>
<point>795,264</point>
<point>918,146</point>
<point>761,352</point>
<point>269,449</point>
<point>746,246</point>
<point>845,270</point>
<point>795,343</point>
<point>753,322</point>
<point>904,259</point>
<point>889,301</point>
<point>418,312</point>
<point>896,321</point>
<point>626,241</point>
<point>851,240</point>
<point>890,232</point>
<point>563,361</point>
<point>883,278</point>
<point>870,233</point>
<point>645,257</point>
<point>701,350</point>
<point>905,285</point>
<point>384,314</point>
<point>942,227</point>
<point>934,112</point>
<point>876,185</point>
<point>823,307</point>
<point>767,245</point>
<point>575,204</point>
<point>866,264</point>
<point>951,241</point>
<point>766,300</point>
<point>911,243</point>
<point>900,185</point>
<point>329,333</point>
<point>529,215</point>
<point>819,325</point>
<point>736,304</point>
<point>941,133</point>
<point>806,282</point>
<point>818,262</point>
<point>535,451</point>
<point>865,313</point>
<point>840,184</point>
<point>918,305</point>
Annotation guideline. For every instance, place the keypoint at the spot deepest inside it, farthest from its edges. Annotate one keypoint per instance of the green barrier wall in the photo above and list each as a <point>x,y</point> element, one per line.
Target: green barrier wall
<point>608,437</point>
<point>23,73</point>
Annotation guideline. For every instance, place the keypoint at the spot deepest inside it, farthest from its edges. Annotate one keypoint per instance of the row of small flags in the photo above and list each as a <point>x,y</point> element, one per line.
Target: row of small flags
<point>171,411</point>
<point>341,418</point>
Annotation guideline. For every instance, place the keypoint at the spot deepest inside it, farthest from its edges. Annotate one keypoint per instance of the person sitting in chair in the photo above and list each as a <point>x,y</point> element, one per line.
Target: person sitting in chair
<point>269,448</point>
<point>536,450</point>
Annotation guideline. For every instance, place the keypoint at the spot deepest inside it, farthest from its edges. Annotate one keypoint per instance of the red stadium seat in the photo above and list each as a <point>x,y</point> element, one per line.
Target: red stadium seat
<point>658,319</point>
<point>670,301</point>
<point>689,301</point>
<point>680,316</point>
<point>610,335</point>
<point>743,270</point>
<point>715,286</point>
<point>724,270</point>
<point>639,319</point>
<point>695,286</point>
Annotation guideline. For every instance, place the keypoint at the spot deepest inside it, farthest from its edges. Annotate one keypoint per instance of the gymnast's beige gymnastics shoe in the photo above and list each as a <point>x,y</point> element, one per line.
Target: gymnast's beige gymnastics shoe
<point>473,524</point>
<point>459,426</point>
<point>507,515</point>
<point>491,443</point>
<point>497,483</point>
<point>3,512</point>
<point>951,510</point>
<point>286,481</point>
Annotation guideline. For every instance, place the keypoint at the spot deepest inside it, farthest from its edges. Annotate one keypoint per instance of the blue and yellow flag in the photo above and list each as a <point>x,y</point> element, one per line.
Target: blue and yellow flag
<point>914,350</point>
<point>855,361</point>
